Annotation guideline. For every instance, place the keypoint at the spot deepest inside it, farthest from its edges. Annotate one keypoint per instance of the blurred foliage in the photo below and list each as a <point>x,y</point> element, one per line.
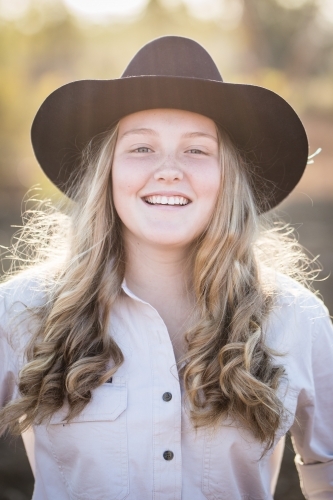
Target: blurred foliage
<point>285,45</point>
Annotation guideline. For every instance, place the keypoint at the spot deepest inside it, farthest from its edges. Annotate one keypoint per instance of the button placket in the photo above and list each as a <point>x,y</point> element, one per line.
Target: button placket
<point>166,417</point>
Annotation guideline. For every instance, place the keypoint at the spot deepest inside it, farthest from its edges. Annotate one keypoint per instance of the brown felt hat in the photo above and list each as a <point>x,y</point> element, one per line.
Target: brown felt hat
<point>175,72</point>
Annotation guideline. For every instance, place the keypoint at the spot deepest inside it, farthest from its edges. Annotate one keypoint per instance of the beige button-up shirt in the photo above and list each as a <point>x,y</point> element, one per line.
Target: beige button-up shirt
<point>116,448</point>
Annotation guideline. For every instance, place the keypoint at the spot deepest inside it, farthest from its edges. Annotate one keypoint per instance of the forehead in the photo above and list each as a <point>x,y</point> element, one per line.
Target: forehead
<point>158,119</point>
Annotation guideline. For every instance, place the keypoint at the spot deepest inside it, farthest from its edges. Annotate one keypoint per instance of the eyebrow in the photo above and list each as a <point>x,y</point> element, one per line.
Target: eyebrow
<point>199,134</point>
<point>136,131</point>
<point>149,131</point>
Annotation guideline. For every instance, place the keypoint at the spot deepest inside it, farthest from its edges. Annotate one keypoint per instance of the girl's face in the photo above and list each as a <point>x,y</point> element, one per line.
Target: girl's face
<point>166,176</point>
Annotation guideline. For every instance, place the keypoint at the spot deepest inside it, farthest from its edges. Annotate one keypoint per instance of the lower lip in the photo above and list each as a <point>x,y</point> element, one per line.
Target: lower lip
<point>166,206</point>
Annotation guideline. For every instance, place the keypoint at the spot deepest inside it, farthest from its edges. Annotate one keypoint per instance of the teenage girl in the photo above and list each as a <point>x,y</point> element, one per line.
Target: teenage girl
<point>158,345</point>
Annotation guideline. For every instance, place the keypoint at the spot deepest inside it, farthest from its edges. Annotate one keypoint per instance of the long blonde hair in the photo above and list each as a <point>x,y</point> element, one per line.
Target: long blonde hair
<point>228,370</point>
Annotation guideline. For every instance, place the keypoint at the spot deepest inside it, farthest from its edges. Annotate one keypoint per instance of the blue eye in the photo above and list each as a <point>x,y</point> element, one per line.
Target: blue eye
<point>196,151</point>
<point>142,150</point>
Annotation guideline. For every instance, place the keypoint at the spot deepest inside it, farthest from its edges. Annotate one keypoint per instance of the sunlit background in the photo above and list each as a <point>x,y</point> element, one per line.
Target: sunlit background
<point>284,45</point>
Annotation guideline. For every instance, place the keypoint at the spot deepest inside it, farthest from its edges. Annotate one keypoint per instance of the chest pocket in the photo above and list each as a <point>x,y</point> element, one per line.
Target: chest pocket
<point>91,451</point>
<point>232,459</point>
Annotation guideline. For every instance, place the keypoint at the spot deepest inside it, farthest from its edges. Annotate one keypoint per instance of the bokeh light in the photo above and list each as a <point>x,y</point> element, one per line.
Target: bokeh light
<point>102,10</point>
<point>13,9</point>
<point>229,10</point>
<point>326,9</point>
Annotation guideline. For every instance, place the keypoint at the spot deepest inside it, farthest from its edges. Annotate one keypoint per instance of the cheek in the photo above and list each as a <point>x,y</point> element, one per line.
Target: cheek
<point>123,184</point>
<point>127,177</point>
<point>126,185</point>
<point>121,187</point>
<point>207,184</point>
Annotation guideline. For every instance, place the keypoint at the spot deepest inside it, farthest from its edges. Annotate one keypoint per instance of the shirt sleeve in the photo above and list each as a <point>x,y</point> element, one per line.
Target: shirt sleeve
<point>8,360</point>
<point>312,431</point>
<point>17,296</point>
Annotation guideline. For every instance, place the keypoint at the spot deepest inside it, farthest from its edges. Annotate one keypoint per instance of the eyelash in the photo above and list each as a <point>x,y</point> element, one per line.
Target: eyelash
<point>137,150</point>
<point>197,151</point>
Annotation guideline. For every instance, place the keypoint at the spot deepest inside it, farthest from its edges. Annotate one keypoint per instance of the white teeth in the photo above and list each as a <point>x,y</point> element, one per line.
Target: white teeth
<point>167,200</point>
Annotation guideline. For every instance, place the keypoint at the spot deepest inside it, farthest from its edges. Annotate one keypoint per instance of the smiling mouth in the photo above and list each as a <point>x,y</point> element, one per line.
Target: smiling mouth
<point>166,200</point>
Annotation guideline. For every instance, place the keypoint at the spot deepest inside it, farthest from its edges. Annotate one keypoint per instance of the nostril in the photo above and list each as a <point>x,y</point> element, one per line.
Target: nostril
<point>168,173</point>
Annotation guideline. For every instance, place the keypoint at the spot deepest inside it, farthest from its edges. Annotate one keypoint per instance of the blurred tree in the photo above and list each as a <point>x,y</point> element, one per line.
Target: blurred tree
<point>285,45</point>
<point>253,40</point>
<point>288,38</point>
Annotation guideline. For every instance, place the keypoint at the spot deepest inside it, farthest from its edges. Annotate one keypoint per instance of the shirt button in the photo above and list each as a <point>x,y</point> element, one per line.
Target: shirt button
<point>167,396</point>
<point>168,455</point>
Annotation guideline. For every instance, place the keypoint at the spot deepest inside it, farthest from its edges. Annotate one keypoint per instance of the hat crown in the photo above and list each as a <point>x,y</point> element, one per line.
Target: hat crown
<point>173,56</point>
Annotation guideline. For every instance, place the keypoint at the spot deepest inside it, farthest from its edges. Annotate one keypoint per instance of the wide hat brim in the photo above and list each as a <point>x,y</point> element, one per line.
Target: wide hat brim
<point>262,124</point>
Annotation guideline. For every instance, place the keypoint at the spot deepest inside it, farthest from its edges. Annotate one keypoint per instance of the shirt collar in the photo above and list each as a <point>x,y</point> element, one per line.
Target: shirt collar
<point>131,294</point>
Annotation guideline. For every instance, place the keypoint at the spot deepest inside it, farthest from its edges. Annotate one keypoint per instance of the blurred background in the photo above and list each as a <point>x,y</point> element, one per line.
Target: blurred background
<point>284,45</point>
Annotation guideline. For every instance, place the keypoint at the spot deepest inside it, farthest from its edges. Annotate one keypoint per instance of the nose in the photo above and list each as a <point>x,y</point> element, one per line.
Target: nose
<point>168,172</point>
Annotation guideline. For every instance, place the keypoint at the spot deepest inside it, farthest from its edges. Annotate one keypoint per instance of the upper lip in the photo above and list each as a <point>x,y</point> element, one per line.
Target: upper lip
<point>167,193</point>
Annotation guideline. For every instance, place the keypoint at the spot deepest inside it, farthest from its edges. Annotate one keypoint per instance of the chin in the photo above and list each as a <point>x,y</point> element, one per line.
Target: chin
<point>168,241</point>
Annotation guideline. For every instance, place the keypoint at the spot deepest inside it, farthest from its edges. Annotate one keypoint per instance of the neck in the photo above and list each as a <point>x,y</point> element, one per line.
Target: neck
<point>153,272</point>
<point>161,277</point>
